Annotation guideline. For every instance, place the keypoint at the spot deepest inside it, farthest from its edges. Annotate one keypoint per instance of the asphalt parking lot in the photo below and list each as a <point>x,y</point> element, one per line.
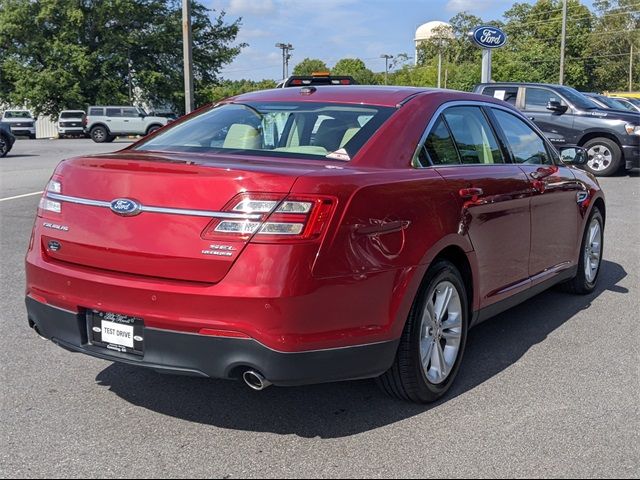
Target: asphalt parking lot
<point>550,388</point>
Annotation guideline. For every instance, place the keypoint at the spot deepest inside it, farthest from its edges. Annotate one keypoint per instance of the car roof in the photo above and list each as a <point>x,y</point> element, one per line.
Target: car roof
<point>386,96</point>
<point>521,84</point>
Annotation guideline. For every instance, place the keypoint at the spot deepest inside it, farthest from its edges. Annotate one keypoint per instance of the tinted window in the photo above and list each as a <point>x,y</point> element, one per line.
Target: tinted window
<point>129,112</point>
<point>473,135</point>
<point>72,115</point>
<point>96,111</point>
<point>439,146</point>
<point>539,98</point>
<point>298,130</point>
<point>114,112</point>
<point>508,94</point>
<point>526,145</point>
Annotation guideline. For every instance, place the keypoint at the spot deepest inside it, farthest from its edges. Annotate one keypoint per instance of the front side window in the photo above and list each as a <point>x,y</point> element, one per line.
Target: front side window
<point>526,145</point>
<point>537,99</point>
<point>130,112</point>
<point>298,130</point>
<point>476,142</point>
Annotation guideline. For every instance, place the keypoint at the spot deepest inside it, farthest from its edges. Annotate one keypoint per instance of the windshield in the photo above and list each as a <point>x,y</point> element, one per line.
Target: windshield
<point>614,103</point>
<point>72,115</point>
<point>578,99</point>
<point>299,130</point>
<point>17,114</point>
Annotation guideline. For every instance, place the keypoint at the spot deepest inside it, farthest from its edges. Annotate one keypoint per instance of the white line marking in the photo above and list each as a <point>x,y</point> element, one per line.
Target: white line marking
<point>21,196</point>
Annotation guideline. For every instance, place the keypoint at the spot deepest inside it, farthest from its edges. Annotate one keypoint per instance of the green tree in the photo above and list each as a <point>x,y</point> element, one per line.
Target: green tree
<point>355,68</point>
<point>310,65</point>
<point>231,88</point>
<point>58,54</point>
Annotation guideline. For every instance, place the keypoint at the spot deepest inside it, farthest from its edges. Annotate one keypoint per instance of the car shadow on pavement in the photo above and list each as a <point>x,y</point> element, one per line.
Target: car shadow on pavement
<point>348,408</point>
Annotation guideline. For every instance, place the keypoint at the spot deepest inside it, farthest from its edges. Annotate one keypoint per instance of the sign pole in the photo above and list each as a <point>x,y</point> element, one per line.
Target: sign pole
<point>486,65</point>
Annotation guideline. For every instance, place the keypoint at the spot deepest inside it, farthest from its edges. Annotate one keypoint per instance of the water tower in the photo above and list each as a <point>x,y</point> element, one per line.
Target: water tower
<point>436,30</point>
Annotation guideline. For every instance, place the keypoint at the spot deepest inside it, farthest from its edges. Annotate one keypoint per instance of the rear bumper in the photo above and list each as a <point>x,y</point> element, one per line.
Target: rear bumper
<point>631,154</point>
<point>199,355</point>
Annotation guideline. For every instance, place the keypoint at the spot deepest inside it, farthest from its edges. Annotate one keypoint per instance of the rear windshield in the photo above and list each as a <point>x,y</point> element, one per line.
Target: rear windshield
<point>299,130</point>
<point>72,115</point>
<point>17,114</point>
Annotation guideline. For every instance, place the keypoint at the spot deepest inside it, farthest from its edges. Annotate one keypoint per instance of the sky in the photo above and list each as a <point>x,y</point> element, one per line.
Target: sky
<point>335,29</point>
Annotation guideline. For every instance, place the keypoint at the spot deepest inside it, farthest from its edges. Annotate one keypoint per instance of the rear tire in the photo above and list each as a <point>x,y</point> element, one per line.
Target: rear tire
<point>590,261</point>
<point>604,157</point>
<point>434,338</point>
<point>4,146</point>
<point>99,134</point>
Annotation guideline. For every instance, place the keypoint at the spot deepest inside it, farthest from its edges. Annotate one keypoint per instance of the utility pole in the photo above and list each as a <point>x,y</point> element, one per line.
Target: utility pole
<point>187,55</point>
<point>386,67</point>
<point>129,80</point>
<point>286,56</point>
<point>563,41</point>
<point>631,69</point>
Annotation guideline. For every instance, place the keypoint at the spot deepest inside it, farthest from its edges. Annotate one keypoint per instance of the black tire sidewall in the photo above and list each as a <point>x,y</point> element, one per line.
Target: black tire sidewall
<point>616,151</point>
<point>4,148</point>
<point>440,271</point>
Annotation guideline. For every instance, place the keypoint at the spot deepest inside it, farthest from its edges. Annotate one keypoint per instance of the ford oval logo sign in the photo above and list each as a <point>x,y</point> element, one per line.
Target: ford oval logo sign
<point>125,207</point>
<point>489,37</point>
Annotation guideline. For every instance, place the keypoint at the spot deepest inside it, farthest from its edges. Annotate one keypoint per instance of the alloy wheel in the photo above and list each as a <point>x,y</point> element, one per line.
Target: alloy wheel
<point>593,251</point>
<point>599,158</point>
<point>441,332</point>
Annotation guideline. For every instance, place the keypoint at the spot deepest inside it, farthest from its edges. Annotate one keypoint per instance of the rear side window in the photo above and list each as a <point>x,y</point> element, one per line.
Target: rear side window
<point>439,147</point>
<point>526,145</point>
<point>96,111</point>
<point>114,112</point>
<point>472,133</point>
<point>508,94</point>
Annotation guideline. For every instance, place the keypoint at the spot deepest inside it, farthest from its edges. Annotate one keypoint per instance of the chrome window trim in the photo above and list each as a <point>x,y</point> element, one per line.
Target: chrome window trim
<point>151,209</point>
<point>415,162</point>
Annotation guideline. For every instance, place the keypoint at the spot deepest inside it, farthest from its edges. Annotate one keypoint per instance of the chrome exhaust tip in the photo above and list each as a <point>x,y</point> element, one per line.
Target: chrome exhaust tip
<point>255,381</point>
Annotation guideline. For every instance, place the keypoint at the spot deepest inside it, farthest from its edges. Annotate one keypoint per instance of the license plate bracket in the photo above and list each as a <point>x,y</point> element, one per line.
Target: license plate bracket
<point>116,332</point>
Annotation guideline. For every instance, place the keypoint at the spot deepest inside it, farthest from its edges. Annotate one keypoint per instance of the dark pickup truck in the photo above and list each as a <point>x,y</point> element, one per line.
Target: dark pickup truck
<point>567,117</point>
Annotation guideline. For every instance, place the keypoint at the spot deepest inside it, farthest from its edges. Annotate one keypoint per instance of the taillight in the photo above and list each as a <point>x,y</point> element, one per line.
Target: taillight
<point>47,204</point>
<point>85,121</point>
<point>294,218</point>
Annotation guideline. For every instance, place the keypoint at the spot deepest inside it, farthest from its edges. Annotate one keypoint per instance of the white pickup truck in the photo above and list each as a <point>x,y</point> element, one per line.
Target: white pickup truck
<point>21,122</point>
<point>104,124</point>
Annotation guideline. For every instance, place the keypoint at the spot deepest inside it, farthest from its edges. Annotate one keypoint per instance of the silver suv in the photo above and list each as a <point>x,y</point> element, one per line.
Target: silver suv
<point>104,124</point>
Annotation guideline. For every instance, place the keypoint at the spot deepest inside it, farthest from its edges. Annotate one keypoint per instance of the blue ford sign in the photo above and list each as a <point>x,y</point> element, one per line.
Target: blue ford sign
<point>489,37</point>
<point>125,207</point>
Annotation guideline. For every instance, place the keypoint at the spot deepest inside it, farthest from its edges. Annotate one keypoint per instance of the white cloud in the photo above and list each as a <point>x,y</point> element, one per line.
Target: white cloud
<point>250,7</point>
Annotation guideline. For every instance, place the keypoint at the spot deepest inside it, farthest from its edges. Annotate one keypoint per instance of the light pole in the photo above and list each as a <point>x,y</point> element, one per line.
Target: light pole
<point>563,40</point>
<point>286,48</point>
<point>187,55</point>
<point>386,67</point>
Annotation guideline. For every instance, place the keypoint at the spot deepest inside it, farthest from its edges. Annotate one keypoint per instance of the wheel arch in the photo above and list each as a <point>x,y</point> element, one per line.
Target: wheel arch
<point>153,125</point>
<point>458,257</point>
<point>599,134</point>
<point>100,124</point>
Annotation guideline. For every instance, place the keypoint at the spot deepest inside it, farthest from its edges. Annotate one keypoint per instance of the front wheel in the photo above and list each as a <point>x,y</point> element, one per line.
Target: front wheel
<point>604,157</point>
<point>153,129</point>
<point>433,340</point>
<point>590,259</point>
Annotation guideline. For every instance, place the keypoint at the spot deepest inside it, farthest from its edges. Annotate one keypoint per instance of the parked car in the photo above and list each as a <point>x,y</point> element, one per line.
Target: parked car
<point>335,234</point>
<point>610,102</point>
<point>104,124</point>
<point>7,139</point>
<point>21,122</point>
<point>630,101</point>
<point>71,123</point>
<point>612,138</point>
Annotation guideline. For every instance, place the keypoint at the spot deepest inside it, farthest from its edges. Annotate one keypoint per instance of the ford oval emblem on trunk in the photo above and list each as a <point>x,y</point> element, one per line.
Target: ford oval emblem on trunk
<point>125,207</point>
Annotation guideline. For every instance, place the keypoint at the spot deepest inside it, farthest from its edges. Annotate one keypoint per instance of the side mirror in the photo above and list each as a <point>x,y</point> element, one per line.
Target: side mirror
<point>574,155</point>
<point>556,106</point>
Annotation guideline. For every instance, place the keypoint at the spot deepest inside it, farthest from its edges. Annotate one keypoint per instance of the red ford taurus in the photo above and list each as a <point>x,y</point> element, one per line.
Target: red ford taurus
<point>310,235</point>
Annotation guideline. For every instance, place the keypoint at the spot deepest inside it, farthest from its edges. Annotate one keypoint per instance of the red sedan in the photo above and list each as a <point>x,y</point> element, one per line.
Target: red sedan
<point>314,234</point>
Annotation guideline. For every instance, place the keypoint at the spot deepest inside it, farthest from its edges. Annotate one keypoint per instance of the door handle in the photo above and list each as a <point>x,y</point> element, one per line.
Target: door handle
<point>532,118</point>
<point>471,192</point>
<point>543,172</point>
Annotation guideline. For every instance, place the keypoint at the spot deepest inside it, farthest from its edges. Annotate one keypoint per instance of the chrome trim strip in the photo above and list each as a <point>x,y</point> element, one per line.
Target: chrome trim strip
<point>150,209</point>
